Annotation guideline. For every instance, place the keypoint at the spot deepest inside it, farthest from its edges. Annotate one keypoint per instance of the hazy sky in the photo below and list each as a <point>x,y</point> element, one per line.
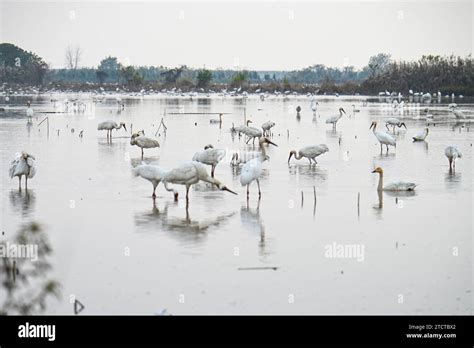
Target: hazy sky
<point>265,35</point>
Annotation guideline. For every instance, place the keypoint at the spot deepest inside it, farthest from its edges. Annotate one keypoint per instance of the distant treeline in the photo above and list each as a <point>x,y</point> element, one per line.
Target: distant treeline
<point>428,74</point>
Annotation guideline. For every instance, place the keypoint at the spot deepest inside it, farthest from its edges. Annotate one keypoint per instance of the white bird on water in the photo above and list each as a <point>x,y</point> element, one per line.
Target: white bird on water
<point>143,142</point>
<point>383,137</point>
<point>109,126</point>
<point>252,133</point>
<point>452,153</point>
<point>266,127</point>
<point>216,121</point>
<point>23,164</point>
<point>310,152</point>
<point>210,156</point>
<point>29,112</point>
<point>190,173</point>
<point>334,119</point>
<point>421,136</point>
<point>241,128</point>
<point>394,122</point>
<point>154,174</point>
<point>252,170</point>
<point>394,186</point>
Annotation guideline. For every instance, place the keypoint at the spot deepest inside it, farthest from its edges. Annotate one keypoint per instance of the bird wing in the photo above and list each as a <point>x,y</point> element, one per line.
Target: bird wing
<point>182,174</point>
<point>250,171</point>
<point>13,166</point>
<point>146,142</point>
<point>385,138</point>
<point>400,186</point>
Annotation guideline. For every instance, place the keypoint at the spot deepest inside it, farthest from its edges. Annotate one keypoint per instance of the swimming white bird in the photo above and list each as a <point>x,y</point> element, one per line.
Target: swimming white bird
<point>452,152</point>
<point>421,136</point>
<point>154,174</point>
<point>394,122</point>
<point>383,137</point>
<point>334,119</point>
<point>23,164</point>
<point>252,170</point>
<point>210,156</point>
<point>314,106</point>
<point>458,113</point>
<point>310,152</point>
<point>354,110</point>
<point>394,186</point>
<point>266,127</point>
<point>143,142</point>
<point>190,173</point>
<point>109,126</point>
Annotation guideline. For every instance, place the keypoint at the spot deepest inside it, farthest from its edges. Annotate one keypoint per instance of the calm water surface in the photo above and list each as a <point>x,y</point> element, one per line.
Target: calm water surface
<point>120,253</point>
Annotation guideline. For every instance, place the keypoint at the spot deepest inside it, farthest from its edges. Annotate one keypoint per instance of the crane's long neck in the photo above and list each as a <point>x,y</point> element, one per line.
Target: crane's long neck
<point>380,186</point>
<point>118,127</point>
<point>263,153</point>
<point>298,156</point>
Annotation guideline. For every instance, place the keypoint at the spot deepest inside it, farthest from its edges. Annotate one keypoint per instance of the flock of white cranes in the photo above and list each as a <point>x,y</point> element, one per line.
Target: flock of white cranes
<point>195,170</point>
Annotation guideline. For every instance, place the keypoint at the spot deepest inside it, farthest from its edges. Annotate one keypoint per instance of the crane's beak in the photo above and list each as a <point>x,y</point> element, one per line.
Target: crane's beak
<point>291,154</point>
<point>228,190</point>
<point>403,124</point>
<point>374,171</point>
<point>124,127</point>
<point>270,142</point>
<point>371,125</point>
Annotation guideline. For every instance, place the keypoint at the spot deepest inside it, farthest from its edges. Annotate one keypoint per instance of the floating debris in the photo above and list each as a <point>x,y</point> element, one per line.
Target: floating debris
<point>257,268</point>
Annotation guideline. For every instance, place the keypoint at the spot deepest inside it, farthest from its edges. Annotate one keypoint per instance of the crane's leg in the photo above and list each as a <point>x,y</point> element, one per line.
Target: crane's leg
<point>386,125</point>
<point>259,192</point>
<point>154,194</point>
<point>142,152</point>
<point>387,148</point>
<point>213,167</point>
<point>247,191</point>
<point>26,183</point>
<point>253,141</point>
<point>310,163</point>
<point>454,164</point>
<point>381,151</point>
<point>19,181</point>
<point>187,194</point>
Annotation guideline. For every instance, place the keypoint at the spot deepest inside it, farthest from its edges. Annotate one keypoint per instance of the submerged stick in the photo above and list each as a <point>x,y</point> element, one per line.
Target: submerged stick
<point>302,198</point>
<point>256,268</point>
<point>358,204</point>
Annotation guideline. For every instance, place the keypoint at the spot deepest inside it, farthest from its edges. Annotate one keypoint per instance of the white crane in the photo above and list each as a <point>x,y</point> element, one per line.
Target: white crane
<point>252,170</point>
<point>266,127</point>
<point>334,119</point>
<point>314,106</point>
<point>143,142</point>
<point>23,164</point>
<point>190,173</point>
<point>210,156</point>
<point>242,157</point>
<point>154,174</point>
<point>452,152</point>
<point>383,137</point>
<point>310,152</point>
<point>394,122</point>
<point>29,112</point>
<point>239,129</point>
<point>109,126</point>
<point>457,113</point>
<point>354,110</point>
<point>252,133</point>
<point>421,136</point>
<point>394,186</point>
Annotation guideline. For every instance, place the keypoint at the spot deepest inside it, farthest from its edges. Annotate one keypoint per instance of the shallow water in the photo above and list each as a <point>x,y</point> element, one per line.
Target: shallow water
<point>119,253</point>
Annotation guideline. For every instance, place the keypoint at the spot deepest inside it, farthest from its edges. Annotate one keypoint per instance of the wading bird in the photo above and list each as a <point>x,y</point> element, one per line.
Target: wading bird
<point>252,133</point>
<point>23,164</point>
<point>334,119</point>
<point>243,157</point>
<point>191,173</point>
<point>310,152</point>
<point>452,152</point>
<point>252,170</point>
<point>153,174</point>
<point>109,126</point>
<point>421,136</point>
<point>210,156</point>
<point>394,122</point>
<point>383,138</point>
<point>394,186</point>
<point>143,142</point>
<point>266,127</point>
<point>354,110</point>
<point>240,129</point>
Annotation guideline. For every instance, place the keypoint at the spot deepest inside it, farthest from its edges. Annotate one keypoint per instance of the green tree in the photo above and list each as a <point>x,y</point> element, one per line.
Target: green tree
<point>130,76</point>
<point>111,67</point>
<point>204,77</point>
<point>20,66</point>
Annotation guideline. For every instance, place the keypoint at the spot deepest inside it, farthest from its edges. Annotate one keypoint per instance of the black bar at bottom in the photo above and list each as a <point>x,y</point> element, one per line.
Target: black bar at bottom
<point>262,330</point>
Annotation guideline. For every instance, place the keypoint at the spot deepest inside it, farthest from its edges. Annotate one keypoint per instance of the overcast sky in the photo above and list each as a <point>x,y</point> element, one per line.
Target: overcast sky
<point>254,35</point>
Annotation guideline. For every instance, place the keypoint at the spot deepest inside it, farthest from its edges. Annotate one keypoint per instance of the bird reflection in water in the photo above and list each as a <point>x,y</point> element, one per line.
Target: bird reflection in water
<point>186,228</point>
<point>252,222</point>
<point>25,280</point>
<point>452,179</point>
<point>23,201</point>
